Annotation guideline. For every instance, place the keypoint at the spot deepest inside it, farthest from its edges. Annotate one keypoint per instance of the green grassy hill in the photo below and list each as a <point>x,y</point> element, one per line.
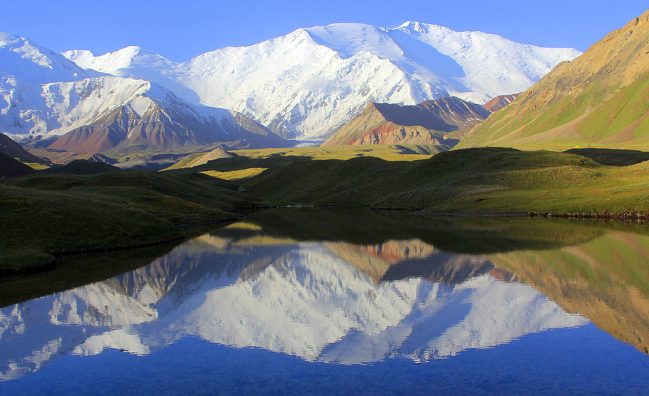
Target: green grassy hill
<point>601,99</point>
<point>45,216</point>
<point>473,180</point>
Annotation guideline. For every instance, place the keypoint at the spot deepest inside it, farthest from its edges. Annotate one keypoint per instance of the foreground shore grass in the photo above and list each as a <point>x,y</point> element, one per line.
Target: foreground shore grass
<point>47,216</point>
<point>74,210</point>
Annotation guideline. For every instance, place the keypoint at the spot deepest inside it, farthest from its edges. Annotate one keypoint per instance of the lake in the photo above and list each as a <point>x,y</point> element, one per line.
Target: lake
<point>312,301</point>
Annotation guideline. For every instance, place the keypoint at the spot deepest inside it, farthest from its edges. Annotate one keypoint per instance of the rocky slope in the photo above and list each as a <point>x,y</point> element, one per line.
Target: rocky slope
<point>13,149</point>
<point>500,102</point>
<point>425,124</point>
<point>308,83</point>
<point>600,99</point>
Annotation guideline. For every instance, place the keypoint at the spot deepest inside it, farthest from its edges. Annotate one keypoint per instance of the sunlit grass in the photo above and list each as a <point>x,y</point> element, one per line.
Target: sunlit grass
<point>236,174</point>
<point>384,152</point>
<point>244,225</point>
<point>36,166</point>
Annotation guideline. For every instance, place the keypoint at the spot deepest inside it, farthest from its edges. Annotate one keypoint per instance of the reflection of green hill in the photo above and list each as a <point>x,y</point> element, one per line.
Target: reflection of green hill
<point>606,279</point>
<point>458,235</point>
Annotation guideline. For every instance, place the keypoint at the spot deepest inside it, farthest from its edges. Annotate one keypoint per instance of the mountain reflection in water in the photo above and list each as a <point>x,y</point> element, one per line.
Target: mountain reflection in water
<point>349,300</point>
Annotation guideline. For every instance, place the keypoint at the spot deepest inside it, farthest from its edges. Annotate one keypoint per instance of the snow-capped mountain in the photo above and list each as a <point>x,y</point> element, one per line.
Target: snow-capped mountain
<point>122,112</point>
<point>309,82</point>
<point>22,60</point>
<point>43,94</point>
<point>308,300</point>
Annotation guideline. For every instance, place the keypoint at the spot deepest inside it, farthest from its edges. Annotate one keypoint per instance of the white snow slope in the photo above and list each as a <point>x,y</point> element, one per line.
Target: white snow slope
<point>307,83</point>
<point>42,93</point>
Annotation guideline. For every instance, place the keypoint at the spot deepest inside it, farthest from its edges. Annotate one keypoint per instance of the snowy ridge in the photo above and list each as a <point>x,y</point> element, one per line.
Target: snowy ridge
<point>299,299</point>
<point>59,107</point>
<point>22,60</point>
<point>43,94</point>
<point>309,82</point>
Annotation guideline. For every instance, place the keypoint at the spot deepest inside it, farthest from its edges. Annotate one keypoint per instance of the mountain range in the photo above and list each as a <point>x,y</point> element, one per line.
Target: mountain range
<point>47,97</point>
<point>303,85</point>
<point>601,99</point>
<point>309,82</point>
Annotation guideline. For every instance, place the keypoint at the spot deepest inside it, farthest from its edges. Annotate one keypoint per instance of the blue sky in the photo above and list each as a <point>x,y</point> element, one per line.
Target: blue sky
<point>182,29</point>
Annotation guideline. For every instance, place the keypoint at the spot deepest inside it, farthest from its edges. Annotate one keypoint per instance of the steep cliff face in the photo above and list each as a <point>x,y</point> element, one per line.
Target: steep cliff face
<point>426,123</point>
<point>600,99</point>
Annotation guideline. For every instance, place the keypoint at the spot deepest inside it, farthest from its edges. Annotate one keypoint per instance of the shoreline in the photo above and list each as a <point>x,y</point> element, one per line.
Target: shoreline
<point>196,230</point>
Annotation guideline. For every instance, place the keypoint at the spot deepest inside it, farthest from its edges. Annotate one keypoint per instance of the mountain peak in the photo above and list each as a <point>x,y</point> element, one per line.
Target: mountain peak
<point>420,27</point>
<point>27,61</point>
<point>424,124</point>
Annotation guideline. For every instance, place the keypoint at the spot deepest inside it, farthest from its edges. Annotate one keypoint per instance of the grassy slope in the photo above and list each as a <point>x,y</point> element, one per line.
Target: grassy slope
<point>11,167</point>
<point>53,214</point>
<point>491,180</point>
<point>385,152</point>
<point>599,100</point>
<point>591,119</point>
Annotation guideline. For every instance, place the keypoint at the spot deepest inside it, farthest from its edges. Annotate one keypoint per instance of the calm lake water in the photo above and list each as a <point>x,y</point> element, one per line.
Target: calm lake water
<point>351,302</point>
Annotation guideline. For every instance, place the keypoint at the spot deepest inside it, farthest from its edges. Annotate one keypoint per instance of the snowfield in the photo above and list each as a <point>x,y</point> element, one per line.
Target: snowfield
<point>309,82</point>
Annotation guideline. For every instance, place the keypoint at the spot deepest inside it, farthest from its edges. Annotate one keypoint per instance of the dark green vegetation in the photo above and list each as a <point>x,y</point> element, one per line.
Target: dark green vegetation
<point>474,180</point>
<point>466,235</point>
<point>612,156</point>
<point>10,167</point>
<point>48,215</point>
<point>84,167</point>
